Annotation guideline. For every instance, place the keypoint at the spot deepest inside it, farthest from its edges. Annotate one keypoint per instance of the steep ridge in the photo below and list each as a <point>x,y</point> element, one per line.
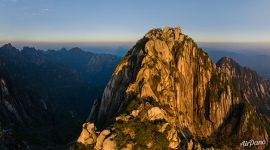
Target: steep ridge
<point>251,119</point>
<point>18,105</point>
<point>18,108</point>
<point>258,62</point>
<point>47,74</point>
<point>253,88</point>
<point>167,93</point>
<point>46,95</point>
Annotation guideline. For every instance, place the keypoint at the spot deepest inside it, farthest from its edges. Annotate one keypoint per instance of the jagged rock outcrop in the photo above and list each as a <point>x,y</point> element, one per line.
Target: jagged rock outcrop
<point>167,93</point>
<point>88,135</point>
<point>250,119</point>
<point>104,140</point>
<point>253,88</point>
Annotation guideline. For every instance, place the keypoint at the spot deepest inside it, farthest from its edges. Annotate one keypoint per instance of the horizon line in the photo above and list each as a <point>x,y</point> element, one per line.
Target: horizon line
<point>115,42</point>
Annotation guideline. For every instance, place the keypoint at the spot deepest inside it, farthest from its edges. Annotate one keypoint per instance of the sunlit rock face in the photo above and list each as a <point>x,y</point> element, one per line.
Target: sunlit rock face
<point>167,66</point>
<point>168,87</point>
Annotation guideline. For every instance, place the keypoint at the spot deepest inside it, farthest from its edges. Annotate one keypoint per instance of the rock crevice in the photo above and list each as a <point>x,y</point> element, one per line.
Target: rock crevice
<point>169,86</point>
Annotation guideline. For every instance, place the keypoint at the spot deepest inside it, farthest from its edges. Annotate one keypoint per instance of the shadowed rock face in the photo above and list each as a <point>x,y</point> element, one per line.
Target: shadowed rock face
<point>252,88</point>
<point>19,109</point>
<point>36,83</point>
<point>45,95</point>
<point>167,86</point>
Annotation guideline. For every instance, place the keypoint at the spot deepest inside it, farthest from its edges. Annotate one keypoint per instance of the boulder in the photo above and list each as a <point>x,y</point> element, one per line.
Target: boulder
<point>163,127</point>
<point>135,113</point>
<point>88,135</point>
<point>101,139</point>
<point>83,136</point>
<point>155,113</point>
<point>129,146</point>
<point>122,118</point>
<point>173,139</point>
<point>109,143</point>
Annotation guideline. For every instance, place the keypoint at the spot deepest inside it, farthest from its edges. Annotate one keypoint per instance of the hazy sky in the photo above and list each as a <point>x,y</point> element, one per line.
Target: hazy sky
<point>129,20</point>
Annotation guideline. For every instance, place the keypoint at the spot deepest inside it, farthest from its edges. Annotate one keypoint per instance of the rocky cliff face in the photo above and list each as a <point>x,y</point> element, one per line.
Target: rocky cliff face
<point>251,87</point>
<point>18,108</point>
<point>167,93</point>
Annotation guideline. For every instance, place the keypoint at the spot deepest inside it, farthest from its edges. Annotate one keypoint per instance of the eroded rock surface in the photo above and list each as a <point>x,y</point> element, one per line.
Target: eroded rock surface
<point>167,93</point>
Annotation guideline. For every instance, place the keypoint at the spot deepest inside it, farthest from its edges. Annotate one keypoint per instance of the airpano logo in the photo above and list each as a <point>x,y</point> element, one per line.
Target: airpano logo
<point>252,143</point>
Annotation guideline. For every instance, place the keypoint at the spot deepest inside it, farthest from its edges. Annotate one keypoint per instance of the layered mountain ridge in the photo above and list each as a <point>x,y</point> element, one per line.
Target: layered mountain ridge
<point>251,87</point>
<point>166,93</point>
<point>46,95</point>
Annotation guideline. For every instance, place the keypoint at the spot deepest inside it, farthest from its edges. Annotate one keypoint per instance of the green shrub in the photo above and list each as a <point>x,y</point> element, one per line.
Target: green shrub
<point>217,86</point>
<point>134,104</point>
<point>79,146</point>
<point>121,138</point>
<point>145,132</point>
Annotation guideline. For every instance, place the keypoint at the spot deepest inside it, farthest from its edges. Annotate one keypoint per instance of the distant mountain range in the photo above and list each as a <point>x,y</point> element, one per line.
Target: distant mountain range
<point>118,51</point>
<point>244,55</point>
<point>46,95</point>
<point>260,63</point>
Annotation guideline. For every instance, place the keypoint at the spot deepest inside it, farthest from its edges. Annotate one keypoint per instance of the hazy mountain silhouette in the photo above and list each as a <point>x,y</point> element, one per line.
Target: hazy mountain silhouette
<point>46,95</point>
<point>260,63</point>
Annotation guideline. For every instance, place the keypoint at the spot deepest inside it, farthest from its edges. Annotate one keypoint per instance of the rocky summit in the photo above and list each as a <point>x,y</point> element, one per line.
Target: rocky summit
<point>166,93</point>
